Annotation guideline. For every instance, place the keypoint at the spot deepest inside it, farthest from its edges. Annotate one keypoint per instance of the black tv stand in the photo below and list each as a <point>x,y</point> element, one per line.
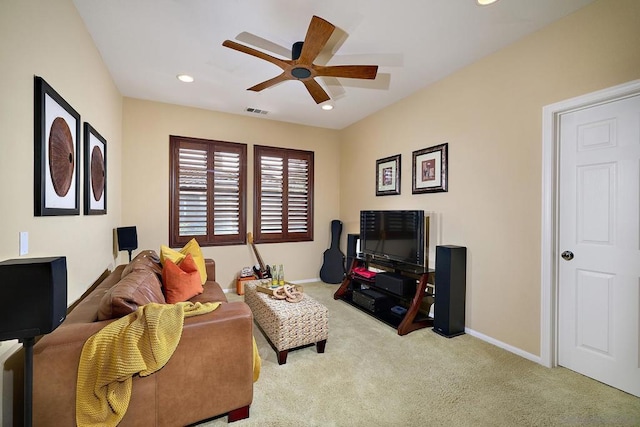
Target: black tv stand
<point>416,304</point>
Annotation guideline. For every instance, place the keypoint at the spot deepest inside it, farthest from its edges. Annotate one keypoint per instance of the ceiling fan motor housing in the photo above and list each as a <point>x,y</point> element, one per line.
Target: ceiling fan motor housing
<point>299,72</point>
<point>296,49</point>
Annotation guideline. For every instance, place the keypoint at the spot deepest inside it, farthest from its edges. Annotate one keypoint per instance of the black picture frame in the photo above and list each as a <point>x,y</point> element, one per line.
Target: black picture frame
<point>95,172</point>
<point>388,176</point>
<point>430,170</point>
<point>56,153</point>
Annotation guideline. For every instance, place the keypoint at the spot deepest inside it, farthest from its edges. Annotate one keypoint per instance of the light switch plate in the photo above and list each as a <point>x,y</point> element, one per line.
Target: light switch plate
<point>24,242</point>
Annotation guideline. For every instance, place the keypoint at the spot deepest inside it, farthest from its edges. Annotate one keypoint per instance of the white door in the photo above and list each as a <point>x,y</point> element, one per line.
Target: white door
<point>599,239</point>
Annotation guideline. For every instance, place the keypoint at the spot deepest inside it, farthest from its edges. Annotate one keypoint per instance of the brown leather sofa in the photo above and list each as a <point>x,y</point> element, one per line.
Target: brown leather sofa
<point>209,374</point>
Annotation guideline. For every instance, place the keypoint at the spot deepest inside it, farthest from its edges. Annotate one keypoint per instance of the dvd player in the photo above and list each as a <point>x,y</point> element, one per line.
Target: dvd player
<point>371,300</point>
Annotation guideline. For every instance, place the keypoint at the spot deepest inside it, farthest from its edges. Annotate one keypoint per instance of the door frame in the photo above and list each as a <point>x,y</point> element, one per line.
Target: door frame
<point>550,167</point>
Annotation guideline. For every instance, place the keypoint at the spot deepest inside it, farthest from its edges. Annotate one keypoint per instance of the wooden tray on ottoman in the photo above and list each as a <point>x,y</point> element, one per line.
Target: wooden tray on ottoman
<point>269,289</point>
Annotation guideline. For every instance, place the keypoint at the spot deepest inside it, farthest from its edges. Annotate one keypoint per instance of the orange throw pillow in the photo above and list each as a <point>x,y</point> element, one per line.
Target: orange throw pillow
<point>182,281</point>
<point>193,248</point>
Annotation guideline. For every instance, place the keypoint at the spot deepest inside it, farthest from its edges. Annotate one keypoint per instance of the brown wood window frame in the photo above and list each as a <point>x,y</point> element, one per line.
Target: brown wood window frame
<point>284,236</point>
<point>210,238</point>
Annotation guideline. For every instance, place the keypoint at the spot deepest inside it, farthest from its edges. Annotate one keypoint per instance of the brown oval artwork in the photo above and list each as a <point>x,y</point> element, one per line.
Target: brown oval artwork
<point>61,156</point>
<point>97,173</point>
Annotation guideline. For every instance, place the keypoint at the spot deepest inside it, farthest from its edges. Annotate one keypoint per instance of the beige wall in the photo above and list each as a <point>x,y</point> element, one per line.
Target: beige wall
<point>146,130</point>
<point>48,39</point>
<point>490,113</point>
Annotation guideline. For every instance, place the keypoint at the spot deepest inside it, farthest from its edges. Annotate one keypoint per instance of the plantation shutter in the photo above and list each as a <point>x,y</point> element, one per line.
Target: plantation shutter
<point>271,195</point>
<point>226,193</point>
<point>207,192</point>
<point>192,193</point>
<point>283,208</point>
<point>298,206</point>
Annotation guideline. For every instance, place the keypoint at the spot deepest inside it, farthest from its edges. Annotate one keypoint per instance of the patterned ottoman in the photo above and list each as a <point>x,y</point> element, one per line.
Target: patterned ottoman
<point>288,325</point>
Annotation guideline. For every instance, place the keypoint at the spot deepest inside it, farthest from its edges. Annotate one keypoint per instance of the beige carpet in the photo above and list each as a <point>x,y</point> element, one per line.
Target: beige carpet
<point>370,376</point>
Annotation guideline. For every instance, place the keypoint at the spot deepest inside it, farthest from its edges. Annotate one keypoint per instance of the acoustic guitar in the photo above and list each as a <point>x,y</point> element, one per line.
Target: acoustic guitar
<point>264,272</point>
<point>332,270</point>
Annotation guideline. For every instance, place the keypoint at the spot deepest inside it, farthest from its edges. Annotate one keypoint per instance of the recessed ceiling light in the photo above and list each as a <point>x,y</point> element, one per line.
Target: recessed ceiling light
<point>327,107</point>
<point>185,78</point>
<point>485,2</point>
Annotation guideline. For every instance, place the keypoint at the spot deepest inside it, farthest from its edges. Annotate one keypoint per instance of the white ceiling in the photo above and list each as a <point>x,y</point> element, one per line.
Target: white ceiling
<point>146,43</point>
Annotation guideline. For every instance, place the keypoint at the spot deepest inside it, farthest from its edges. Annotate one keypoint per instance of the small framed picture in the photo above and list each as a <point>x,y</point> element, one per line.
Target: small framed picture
<point>388,176</point>
<point>56,153</point>
<point>95,172</point>
<point>429,170</point>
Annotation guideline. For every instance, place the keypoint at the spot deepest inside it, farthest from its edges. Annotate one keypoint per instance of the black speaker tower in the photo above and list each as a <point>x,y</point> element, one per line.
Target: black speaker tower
<point>352,243</point>
<point>451,287</point>
<point>33,301</point>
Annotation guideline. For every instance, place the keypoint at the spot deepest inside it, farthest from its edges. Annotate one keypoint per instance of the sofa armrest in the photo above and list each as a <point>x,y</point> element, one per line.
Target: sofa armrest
<point>211,269</point>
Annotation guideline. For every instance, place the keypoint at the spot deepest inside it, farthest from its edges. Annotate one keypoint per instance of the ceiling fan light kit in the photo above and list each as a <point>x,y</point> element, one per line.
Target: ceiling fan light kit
<point>301,67</point>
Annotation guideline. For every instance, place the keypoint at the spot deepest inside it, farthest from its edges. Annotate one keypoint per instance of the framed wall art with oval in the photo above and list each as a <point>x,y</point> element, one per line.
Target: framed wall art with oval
<point>56,153</point>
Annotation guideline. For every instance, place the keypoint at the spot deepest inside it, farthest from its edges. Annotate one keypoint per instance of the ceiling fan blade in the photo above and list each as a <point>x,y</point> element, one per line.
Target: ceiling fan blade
<point>334,87</point>
<point>317,93</point>
<point>269,46</point>
<point>349,71</point>
<point>268,83</point>
<point>282,63</point>
<point>317,36</point>
<point>381,82</point>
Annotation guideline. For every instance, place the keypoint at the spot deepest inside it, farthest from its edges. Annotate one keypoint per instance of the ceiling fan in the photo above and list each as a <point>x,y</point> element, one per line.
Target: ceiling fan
<point>301,66</point>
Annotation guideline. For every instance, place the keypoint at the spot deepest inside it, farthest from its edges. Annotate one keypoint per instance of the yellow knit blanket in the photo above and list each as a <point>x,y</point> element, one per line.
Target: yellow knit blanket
<point>140,343</point>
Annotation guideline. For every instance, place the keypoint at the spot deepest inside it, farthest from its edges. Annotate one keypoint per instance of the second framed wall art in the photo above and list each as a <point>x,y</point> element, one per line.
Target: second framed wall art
<point>95,172</point>
<point>429,170</point>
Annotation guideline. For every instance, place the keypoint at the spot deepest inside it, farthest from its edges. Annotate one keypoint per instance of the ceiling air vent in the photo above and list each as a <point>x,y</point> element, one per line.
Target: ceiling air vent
<point>256,111</point>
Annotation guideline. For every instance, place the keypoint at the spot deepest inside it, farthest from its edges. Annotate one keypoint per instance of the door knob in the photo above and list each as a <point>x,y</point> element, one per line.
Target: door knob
<point>567,255</point>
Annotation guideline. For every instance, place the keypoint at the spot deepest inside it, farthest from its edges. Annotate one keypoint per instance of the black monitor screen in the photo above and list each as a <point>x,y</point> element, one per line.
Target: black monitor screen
<point>393,235</point>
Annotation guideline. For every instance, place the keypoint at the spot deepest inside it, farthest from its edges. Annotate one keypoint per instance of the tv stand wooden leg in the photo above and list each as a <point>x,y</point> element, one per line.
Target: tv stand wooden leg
<point>342,290</point>
<point>408,324</point>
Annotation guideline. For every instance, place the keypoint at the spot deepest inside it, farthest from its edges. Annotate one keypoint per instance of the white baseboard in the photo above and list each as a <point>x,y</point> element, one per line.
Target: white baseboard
<point>505,346</point>
<point>299,282</point>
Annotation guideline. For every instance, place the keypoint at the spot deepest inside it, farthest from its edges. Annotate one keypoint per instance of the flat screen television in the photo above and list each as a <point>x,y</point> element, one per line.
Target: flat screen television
<point>393,235</point>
